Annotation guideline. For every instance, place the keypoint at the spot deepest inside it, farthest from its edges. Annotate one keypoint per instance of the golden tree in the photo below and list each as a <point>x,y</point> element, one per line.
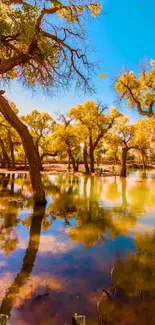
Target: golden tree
<point>42,44</point>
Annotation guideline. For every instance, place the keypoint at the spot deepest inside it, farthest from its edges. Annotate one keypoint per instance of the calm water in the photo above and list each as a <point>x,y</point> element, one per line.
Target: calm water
<point>56,262</point>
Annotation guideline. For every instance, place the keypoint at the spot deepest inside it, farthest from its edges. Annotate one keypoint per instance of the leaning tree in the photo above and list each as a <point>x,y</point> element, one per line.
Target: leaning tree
<point>43,44</point>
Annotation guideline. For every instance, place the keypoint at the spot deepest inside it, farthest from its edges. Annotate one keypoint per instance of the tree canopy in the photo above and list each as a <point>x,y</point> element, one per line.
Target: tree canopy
<point>138,90</point>
<point>44,43</point>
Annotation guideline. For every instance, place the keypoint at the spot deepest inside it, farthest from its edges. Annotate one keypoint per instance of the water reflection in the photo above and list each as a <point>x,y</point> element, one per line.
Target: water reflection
<point>69,249</point>
<point>131,299</point>
<point>28,262</point>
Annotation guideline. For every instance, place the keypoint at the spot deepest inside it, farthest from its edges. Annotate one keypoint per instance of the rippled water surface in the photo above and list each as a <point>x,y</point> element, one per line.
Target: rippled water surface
<point>95,232</point>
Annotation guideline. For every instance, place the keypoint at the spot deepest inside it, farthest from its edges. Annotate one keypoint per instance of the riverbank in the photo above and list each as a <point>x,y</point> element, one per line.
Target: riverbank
<point>61,169</point>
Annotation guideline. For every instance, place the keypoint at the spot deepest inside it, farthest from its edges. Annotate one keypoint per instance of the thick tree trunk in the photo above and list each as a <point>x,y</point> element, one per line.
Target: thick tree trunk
<point>29,148</point>
<point>6,159</point>
<point>91,152</point>
<point>85,159</point>
<point>74,164</point>
<point>11,144</point>
<point>69,163</point>
<point>123,162</point>
<point>25,161</point>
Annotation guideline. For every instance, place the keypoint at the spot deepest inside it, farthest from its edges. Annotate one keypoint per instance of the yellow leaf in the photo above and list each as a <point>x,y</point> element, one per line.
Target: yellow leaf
<point>152,62</point>
<point>102,75</point>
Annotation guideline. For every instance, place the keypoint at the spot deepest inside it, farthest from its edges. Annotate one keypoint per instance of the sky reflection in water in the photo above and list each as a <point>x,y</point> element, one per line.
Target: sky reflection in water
<point>69,249</point>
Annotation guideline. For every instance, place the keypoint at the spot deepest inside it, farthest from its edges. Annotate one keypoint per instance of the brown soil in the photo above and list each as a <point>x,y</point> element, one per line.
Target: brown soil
<point>59,169</point>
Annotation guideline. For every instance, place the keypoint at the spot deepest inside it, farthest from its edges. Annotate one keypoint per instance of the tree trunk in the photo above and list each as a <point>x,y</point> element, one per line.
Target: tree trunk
<point>39,157</point>
<point>11,144</point>
<point>115,158</point>
<point>143,159</point>
<point>69,163</point>
<point>46,154</point>
<point>75,167</point>
<point>25,162</point>
<point>6,159</point>
<point>123,165</point>
<point>91,151</point>
<point>29,148</point>
<point>85,159</point>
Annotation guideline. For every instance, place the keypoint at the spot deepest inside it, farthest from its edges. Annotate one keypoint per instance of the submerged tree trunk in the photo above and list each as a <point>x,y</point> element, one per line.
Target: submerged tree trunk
<point>143,159</point>
<point>85,159</point>
<point>123,162</point>
<point>29,148</point>
<point>5,159</point>
<point>91,152</point>
<point>11,144</point>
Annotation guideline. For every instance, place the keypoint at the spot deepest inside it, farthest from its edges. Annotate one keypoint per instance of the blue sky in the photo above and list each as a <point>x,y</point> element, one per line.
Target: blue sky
<point>123,35</point>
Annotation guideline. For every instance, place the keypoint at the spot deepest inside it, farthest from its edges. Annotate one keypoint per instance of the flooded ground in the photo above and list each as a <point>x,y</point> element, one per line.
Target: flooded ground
<point>95,232</point>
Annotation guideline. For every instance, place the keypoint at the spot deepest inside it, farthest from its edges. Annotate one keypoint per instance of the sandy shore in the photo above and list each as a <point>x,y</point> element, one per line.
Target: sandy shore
<point>59,169</point>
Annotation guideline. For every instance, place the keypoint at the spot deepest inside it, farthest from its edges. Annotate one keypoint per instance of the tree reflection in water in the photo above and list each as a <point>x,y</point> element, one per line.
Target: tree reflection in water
<point>131,298</point>
<point>93,220</point>
<point>28,261</point>
<point>80,204</point>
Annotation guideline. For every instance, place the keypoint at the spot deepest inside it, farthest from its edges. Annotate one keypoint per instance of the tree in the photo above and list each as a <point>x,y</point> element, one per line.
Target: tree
<point>66,140</point>
<point>123,137</point>
<point>144,137</point>
<point>39,53</point>
<point>94,124</point>
<point>112,147</point>
<point>138,91</point>
<point>40,126</point>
